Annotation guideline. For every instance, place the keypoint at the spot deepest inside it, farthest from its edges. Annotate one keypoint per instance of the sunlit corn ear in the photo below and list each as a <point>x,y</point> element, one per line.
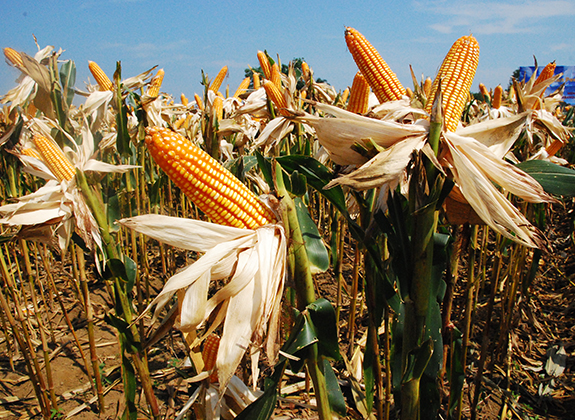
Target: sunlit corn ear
<point>103,81</point>
<point>54,158</point>
<point>345,95</point>
<point>155,84</point>
<point>243,87</point>
<point>214,189</point>
<point>382,80</point>
<point>218,108</point>
<point>257,83</point>
<point>484,92</point>
<point>456,75</point>
<point>276,97</point>
<point>359,95</point>
<point>497,96</point>
<point>265,64</point>
<point>427,86</point>
<point>276,77</point>
<point>13,57</point>
<point>547,72</point>
<point>28,151</point>
<point>210,355</point>
<point>306,72</point>
<point>184,100</point>
<point>219,79</point>
<point>199,102</point>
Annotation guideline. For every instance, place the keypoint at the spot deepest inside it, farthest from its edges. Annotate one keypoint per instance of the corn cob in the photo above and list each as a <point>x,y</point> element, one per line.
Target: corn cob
<point>184,100</point>
<point>13,56</point>
<point>243,86</point>
<point>497,95</point>
<point>216,192</point>
<point>484,92</point>
<point>257,83</point>
<point>276,77</point>
<point>277,97</point>
<point>427,86</point>
<point>154,87</point>
<point>217,83</point>
<point>359,95</point>
<point>409,93</point>
<point>265,64</point>
<point>382,80</point>
<point>209,355</point>
<point>103,81</point>
<point>218,108</point>
<point>54,158</point>
<point>305,71</point>
<point>345,95</point>
<point>28,151</point>
<point>547,72</point>
<point>456,75</point>
<point>199,102</point>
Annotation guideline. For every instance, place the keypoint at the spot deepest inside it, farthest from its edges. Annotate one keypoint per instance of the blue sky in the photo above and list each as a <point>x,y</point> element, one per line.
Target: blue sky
<point>185,38</point>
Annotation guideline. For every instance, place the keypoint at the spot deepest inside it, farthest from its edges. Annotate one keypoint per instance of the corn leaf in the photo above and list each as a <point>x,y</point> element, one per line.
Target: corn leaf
<point>555,179</point>
<point>314,246</point>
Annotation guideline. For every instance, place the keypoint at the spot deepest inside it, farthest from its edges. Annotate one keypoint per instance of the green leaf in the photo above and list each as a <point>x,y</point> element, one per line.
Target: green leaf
<point>317,175</point>
<point>335,396</point>
<point>114,213</point>
<point>417,361</point>
<point>266,168</point>
<point>68,80</point>
<point>314,246</point>
<point>555,179</point>
<point>129,382</point>
<point>323,318</point>
<point>123,135</point>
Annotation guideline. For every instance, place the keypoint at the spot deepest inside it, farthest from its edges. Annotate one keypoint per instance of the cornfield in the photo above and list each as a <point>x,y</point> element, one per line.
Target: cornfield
<point>288,251</point>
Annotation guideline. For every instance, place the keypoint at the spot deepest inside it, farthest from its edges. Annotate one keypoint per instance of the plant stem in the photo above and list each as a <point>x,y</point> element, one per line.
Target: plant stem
<point>304,290</point>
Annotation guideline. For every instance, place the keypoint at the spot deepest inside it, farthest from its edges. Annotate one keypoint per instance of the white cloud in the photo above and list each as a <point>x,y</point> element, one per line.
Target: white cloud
<point>488,17</point>
<point>562,47</point>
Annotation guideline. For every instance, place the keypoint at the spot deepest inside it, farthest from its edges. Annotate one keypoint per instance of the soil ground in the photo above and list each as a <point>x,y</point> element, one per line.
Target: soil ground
<point>517,385</point>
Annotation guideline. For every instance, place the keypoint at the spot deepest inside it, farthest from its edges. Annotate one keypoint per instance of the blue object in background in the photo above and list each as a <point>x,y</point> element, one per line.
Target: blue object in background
<point>568,78</point>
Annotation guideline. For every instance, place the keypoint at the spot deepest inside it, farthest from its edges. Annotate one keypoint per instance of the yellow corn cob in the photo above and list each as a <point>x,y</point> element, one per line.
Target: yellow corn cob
<point>13,56</point>
<point>344,95</point>
<point>219,194</point>
<point>305,71</point>
<point>277,97</point>
<point>359,95</point>
<point>409,92</point>
<point>218,108</point>
<point>257,83</point>
<point>427,86</point>
<point>103,81</point>
<point>209,355</point>
<point>217,83</point>
<point>243,86</point>
<point>276,77</point>
<point>54,158</point>
<point>265,64</point>
<point>154,87</point>
<point>497,95</point>
<point>547,72</point>
<point>456,75</point>
<point>179,122</point>
<point>382,80</point>
<point>28,151</point>
<point>184,100</point>
<point>484,92</point>
<point>199,102</point>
